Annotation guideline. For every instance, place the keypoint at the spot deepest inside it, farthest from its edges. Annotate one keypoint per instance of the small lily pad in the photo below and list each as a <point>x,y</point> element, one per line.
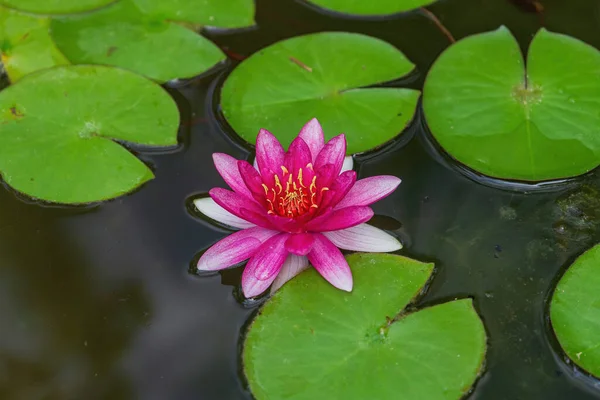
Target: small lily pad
<point>55,6</point>
<point>312,341</point>
<point>25,44</point>
<point>322,75</point>
<point>124,36</point>
<point>56,128</point>
<point>371,8</point>
<point>575,311</point>
<point>490,114</point>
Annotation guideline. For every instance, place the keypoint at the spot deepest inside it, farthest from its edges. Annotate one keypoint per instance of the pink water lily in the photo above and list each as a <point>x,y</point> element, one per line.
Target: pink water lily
<point>294,208</point>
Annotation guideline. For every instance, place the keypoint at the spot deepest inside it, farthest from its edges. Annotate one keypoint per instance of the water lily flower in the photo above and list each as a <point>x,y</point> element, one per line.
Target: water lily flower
<point>294,208</point>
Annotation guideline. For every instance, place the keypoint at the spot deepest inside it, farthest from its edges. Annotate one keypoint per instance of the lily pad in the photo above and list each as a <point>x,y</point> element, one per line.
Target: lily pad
<point>370,8</point>
<point>25,44</point>
<point>122,35</point>
<point>312,341</point>
<point>321,75</point>
<point>214,13</point>
<point>575,311</point>
<point>490,114</point>
<point>55,6</point>
<point>57,126</point>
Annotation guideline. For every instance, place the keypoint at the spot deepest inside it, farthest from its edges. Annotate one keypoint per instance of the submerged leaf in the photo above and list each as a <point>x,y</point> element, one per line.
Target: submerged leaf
<point>55,6</point>
<point>372,7</point>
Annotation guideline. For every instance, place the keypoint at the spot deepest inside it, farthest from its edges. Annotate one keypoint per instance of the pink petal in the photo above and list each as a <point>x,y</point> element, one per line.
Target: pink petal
<point>299,244</point>
<point>269,154</point>
<point>348,164</point>
<point>342,184</point>
<point>333,153</point>
<point>235,248</point>
<point>264,266</point>
<point>260,219</point>
<point>212,210</point>
<point>330,263</point>
<point>297,156</point>
<point>364,237</point>
<point>339,219</point>
<point>252,180</point>
<point>292,266</point>
<point>234,202</point>
<point>312,134</point>
<point>369,190</point>
<point>228,169</point>
<point>284,224</point>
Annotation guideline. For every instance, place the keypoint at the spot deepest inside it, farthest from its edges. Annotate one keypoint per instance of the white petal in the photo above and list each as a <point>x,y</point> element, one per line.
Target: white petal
<point>212,210</point>
<point>348,164</point>
<point>292,266</point>
<point>364,237</point>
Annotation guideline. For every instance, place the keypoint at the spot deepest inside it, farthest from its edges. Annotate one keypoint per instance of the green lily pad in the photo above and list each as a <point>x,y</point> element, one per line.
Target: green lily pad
<point>122,35</point>
<point>370,8</point>
<point>56,128</point>
<point>55,6</point>
<point>25,44</point>
<point>575,311</point>
<point>215,13</point>
<point>321,75</point>
<point>490,114</point>
<point>312,341</point>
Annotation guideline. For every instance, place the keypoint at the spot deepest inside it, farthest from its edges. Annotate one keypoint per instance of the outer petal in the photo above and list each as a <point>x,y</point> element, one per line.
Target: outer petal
<point>299,244</point>
<point>269,154</point>
<point>292,266</point>
<point>369,190</point>
<point>264,266</point>
<point>228,169</point>
<point>364,237</point>
<point>348,163</point>
<point>212,210</point>
<point>330,263</point>
<point>339,219</point>
<point>334,153</point>
<point>234,202</point>
<point>312,134</point>
<point>235,248</point>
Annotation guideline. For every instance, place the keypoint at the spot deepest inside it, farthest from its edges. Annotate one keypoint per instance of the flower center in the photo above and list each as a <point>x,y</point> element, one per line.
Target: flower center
<point>290,196</point>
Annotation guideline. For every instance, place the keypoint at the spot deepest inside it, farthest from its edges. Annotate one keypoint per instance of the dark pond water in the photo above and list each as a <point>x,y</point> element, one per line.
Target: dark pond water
<point>98,302</point>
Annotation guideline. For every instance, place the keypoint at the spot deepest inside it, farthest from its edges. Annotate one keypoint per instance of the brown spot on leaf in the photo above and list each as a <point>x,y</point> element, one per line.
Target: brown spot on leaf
<point>16,113</point>
<point>111,50</point>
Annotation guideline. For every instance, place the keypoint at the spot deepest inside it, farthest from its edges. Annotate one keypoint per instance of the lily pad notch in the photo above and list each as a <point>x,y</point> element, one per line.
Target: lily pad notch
<point>311,341</point>
<point>503,120</point>
<point>328,76</point>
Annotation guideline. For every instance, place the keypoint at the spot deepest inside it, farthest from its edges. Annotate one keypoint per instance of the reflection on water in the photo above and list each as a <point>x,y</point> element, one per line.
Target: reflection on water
<point>98,303</point>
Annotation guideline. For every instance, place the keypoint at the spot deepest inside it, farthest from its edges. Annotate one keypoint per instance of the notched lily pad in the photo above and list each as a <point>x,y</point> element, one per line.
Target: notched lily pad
<point>575,311</point>
<point>370,8</point>
<point>127,36</point>
<point>322,75</point>
<point>311,341</point>
<point>497,118</point>
<point>56,128</point>
<point>25,44</point>
<point>55,6</point>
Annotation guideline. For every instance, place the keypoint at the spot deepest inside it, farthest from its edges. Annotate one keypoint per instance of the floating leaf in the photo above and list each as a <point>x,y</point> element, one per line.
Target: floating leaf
<point>312,341</point>
<point>25,44</point>
<point>372,7</point>
<point>321,75</point>
<point>55,6</point>
<point>488,113</point>
<point>123,36</point>
<point>575,311</point>
<point>56,128</point>
<point>217,13</point>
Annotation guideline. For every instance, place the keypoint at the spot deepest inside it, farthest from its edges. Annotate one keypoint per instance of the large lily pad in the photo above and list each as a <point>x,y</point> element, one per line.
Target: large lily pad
<point>55,6</point>
<point>56,128</point>
<point>25,44</point>
<point>123,35</point>
<point>575,311</point>
<point>321,75</point>
<point>312,341</point>
<point>372,7</point>
<point>489,113</point>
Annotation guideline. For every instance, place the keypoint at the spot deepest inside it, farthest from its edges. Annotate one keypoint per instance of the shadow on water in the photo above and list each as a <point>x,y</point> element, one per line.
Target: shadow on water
<point>98,303</point>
